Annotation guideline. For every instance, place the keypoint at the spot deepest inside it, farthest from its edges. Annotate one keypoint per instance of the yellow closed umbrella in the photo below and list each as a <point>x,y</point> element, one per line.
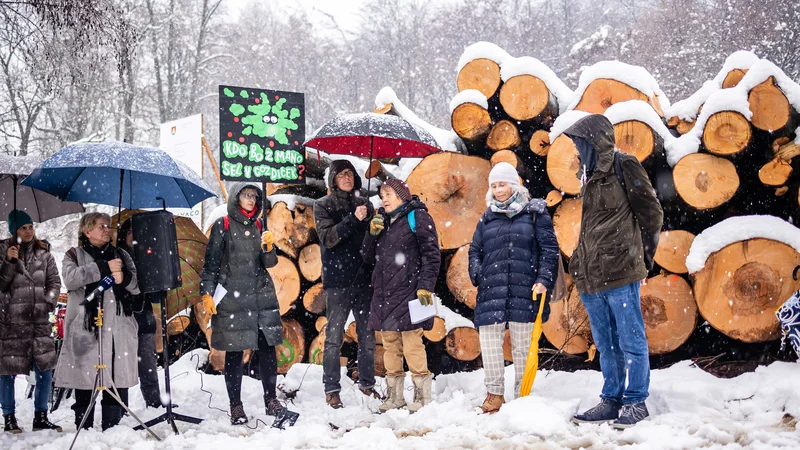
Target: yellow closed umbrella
<point>532,364</point>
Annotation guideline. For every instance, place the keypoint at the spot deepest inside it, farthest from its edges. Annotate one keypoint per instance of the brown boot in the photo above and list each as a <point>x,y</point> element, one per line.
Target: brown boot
<point>492,403</point>
<point>333,400</point>
<point>371,392</point>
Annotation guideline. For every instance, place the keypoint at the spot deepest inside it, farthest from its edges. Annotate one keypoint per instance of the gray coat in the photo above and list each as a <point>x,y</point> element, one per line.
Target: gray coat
<point>29,289</point>
<point>78,357</point>
<point>235,260</point>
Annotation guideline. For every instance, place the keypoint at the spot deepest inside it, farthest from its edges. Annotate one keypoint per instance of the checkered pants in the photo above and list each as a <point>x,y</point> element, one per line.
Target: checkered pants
<point>492,354</point>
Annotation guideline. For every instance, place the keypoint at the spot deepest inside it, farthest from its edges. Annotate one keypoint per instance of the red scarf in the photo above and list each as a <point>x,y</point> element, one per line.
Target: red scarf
<point>250,214</point>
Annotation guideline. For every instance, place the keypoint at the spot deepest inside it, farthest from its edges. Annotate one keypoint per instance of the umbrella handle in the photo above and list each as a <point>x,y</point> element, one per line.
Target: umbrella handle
<point>163,203</point>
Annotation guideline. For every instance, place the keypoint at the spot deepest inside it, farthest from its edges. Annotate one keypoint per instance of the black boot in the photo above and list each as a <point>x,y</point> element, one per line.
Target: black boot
<point>41,422</point>
<point>11,424</point>
<point>272,405</point>
<point>112,414</point>
<point>80,411</point>
<point>606,411</point>
<point>238,416</point>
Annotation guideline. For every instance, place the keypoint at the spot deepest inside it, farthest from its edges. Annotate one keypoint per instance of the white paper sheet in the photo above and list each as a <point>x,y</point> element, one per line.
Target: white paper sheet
<point>219,294</point>
<point>420,313</point>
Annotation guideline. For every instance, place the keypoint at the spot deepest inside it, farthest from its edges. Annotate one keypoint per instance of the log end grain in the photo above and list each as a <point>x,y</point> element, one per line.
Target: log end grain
<point>726,133</point>
<point>470,121</point>
<point>563,164</point>
<point>673,248</point>
<point>770,107</point>
<point>481,74</point>
<point>669,311</point>
<point>705,181</point>
<point>463,344</point>
<point>567,224</point>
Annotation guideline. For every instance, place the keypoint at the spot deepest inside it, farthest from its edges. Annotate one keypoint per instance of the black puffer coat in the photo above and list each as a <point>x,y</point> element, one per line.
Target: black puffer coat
<point>405,261</point>
<point>29,288</point>
<point>235,260</point>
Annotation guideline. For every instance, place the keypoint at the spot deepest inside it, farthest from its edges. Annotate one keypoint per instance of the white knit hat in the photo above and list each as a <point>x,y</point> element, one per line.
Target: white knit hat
<point>505,172</point>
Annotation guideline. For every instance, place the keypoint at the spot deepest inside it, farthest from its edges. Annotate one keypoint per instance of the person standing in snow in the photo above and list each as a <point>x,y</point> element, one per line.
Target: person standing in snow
<point>342,220</point>
<point>29,288</point>
<point>82,269</point>
<point>239,252</point>
<point>620,225</point>
<point>513,259</point>
<point>403,244</point>
<point>143,312</point>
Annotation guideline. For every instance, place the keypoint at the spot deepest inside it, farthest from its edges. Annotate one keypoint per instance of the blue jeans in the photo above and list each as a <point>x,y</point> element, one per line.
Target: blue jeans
<point>41,395</point>
<point>618,332</point>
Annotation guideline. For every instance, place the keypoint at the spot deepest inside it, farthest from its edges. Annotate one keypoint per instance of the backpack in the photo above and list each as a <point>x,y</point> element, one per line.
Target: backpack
<point>560,291</point>
<point>619,172</point>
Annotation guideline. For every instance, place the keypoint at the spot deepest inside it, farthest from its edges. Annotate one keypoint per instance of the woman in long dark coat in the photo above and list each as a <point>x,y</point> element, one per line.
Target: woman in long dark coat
<point>239,252</point>
<point>406,258</point>
<point>512,260</point>
<point>29,288</point>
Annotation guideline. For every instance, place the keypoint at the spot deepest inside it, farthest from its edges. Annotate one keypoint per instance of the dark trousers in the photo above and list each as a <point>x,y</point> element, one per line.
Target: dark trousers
<point>111,410</point>
<point>267,368</point>
<point>148,371</point>
<point>340,302</point>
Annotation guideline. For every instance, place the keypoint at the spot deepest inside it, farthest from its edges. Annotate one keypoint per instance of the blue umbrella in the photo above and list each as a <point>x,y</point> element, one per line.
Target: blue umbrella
<point>119,174</point>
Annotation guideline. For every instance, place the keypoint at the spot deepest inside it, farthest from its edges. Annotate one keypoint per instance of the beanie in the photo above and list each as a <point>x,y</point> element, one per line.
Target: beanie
<point>503,172</point>
<point>399,187</point>
<point>16,220</point>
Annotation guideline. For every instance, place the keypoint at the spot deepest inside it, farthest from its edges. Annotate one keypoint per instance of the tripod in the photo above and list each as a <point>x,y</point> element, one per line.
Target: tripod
<point>169,416</point>
<point>99,381</point>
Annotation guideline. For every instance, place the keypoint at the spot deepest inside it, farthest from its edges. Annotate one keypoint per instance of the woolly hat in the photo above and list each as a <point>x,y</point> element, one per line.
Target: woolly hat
<point>503,172</point>
<point>16,220</point>
<point>399,187</point>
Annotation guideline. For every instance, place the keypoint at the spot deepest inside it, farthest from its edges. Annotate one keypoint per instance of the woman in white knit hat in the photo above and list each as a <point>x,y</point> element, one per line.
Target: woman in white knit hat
<point>512,259</point>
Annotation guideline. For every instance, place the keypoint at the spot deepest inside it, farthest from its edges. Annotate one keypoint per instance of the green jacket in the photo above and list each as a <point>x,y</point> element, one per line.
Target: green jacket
<point>619,229</point>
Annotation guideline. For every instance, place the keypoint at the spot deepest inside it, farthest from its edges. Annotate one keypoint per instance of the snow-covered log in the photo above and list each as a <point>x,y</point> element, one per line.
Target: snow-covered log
<point>669,311</point>
<point>568,327</point>
<point>286,278</point>
<point>479,68</point>
<point>293,228</point>
<point>458,281</point>
<point>608,82</point>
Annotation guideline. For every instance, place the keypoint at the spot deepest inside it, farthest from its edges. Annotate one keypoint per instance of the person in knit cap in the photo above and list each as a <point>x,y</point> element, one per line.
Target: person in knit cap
<point>403,245</point>
<point>30,283</point>
<point>513,259</point>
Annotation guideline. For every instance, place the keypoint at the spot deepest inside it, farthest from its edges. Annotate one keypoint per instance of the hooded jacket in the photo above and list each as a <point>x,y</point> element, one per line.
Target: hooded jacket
<point>507,256</point>
<point>405,261</point>
<point>341,233</point>
<point>619,230</point>
<point>234,259</point>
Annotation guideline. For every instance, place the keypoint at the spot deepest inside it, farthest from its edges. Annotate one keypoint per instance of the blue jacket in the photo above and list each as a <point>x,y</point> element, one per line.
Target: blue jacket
<point>508,255</point>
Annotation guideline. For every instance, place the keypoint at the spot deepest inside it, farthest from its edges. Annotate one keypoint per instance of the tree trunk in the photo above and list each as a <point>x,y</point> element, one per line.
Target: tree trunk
<point>733,78</point>
<point>321,323</point>
<point>705,181</point>
<point>453,187</point>
<point>540,142</point>
<point>503,135</point>
<point>317,349</point>
<point>310,262</point>
<point>526,97</point>
<point>568,327</point>
<point>775,173</point>
<point>293,229</point>
<point>438,332</point>
<point>471,122</point>
<point>669,311</point>
<point>380,367</point>
<point>480,74</point>
<point>314,299</point>
<point>293,348</point>
<point>377,171</point>
<point>458,278</point>
<point>673,248</point>
<point>508,354</point>
<point>463,343</point>
<point>563,164</point>
<point>286,279</point>
<point>553,198</point>
<point>680,125</point>
<point>727,133</point>
<point>177,325</point>
<point>770,107</point>
<point>743,284</point>
<point>603,92</point>
<point>638,139</point>
<point>567,224</point>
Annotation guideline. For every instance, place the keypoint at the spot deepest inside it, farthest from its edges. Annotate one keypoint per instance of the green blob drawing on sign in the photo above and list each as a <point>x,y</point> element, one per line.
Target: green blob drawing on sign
<point>271,121</point>
<point>244,94</point>
<point>228,92</point>
<point>236,109</point>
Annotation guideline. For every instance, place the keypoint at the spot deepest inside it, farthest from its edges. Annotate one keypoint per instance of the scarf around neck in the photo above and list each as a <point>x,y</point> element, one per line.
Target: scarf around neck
<point>121,296</point>
<point>510,207</point>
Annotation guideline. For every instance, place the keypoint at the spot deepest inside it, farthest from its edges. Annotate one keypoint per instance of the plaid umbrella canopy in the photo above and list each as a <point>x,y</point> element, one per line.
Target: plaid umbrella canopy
<point>191,251</point>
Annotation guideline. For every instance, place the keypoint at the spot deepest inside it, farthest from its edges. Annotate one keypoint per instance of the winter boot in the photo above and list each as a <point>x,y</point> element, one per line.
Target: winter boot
<point>41,422</point>
<point>492,403</point>
<point>272,405</point>
<point>606,411</point>
<point>630,415</point>
<point>333,400</point>
<point>111,416</point>
<point>11,424</point>
<point>422,392</point>
<point>371,392</point>
<point>394,397</point>
<point>238,417</point>
<point>80,411</point>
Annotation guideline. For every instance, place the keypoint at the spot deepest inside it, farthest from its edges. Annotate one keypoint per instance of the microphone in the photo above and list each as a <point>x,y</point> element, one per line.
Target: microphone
<point>104,285</point>
<point>382,211</point>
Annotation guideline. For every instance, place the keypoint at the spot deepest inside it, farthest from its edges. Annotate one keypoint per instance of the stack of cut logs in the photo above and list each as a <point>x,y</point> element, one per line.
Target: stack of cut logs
<point>741,166</point>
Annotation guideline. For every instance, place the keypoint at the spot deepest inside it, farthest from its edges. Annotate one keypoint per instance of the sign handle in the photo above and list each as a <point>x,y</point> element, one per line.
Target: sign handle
<point>216,170</point>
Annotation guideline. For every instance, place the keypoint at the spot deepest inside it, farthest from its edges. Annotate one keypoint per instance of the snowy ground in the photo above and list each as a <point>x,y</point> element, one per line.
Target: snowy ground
<point>690,409</point>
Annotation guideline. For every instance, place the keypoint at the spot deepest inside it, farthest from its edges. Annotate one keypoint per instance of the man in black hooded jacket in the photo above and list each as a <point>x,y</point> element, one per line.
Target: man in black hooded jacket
<point>342,219</point>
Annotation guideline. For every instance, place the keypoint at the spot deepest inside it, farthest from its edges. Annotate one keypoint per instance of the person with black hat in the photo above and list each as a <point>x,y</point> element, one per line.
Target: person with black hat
<point>342,219</point>
<point>29,288</point>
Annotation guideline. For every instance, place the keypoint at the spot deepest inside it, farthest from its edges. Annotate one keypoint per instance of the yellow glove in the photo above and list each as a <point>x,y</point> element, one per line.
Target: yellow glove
<point>425,297</point>
<point>208,303</point>
<point>376,225</point>
<point>267,241</point>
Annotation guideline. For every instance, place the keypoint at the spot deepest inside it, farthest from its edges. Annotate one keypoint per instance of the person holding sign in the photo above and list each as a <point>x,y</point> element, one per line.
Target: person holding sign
<point>342,219</point>
<point>403,244</point>
<point>513,259</point>
<point>247,316</point>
